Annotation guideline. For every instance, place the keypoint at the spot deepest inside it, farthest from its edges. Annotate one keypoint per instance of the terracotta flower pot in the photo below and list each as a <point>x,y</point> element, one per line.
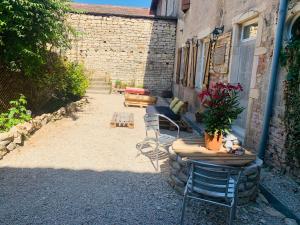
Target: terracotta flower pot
<point>213,142</point>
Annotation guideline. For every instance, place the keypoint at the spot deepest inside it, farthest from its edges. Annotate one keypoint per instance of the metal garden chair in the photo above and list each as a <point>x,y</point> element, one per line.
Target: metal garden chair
<point>157,138</point>
<point>214,184</point>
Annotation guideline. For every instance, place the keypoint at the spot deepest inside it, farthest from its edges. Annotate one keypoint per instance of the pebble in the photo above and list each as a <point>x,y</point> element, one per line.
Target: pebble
<point>289,221</point>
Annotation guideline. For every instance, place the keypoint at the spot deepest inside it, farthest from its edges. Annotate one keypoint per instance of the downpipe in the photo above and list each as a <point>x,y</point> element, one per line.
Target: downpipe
<point>273,78</point>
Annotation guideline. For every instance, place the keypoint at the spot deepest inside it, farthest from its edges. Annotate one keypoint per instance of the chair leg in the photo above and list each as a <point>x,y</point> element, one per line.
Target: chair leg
<point>234,210</point>
<point>183,209</point>
<point>156,151</point>
<point>230,219</point>
<point>141,145</point>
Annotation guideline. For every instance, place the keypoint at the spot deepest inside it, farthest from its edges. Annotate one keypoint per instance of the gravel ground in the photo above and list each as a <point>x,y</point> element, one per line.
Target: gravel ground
<point>84,172</point>
<point>284,188</point>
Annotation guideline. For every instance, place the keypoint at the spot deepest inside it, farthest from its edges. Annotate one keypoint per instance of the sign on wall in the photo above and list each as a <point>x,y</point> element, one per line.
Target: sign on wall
<point>221,54</point>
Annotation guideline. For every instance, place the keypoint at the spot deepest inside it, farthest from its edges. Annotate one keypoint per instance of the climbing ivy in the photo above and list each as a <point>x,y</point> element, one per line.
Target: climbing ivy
<point>291,60</point>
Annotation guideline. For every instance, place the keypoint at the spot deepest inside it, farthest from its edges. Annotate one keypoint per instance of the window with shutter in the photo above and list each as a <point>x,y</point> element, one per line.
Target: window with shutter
<point>185,6</point>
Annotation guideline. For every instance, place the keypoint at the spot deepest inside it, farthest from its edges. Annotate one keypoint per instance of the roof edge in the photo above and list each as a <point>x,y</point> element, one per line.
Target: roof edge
<point>150,17</point>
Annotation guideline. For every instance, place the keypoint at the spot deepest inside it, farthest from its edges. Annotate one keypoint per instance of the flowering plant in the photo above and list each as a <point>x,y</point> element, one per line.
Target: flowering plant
<point>222,107</point>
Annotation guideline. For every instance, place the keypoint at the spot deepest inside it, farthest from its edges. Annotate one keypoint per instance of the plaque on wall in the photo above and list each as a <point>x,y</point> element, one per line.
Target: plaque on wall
<point>221,54</point>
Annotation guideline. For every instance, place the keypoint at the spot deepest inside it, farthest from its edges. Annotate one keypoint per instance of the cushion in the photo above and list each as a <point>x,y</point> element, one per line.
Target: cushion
<point>174,102</point>
<point>176,109</point>
<point>164,110</point>
<point>139,91</point>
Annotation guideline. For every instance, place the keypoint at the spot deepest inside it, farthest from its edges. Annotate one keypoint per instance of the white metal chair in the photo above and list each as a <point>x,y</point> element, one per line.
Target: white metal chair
<point>157,138</point>
<point>214,184</point>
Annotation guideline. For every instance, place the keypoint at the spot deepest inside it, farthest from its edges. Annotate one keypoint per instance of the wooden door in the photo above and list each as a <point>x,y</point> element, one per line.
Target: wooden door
<point>242,74</point>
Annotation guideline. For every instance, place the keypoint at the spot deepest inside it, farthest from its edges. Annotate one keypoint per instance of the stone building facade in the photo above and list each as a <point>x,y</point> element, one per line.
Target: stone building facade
<point>136,49</point>
<point>246,41</point>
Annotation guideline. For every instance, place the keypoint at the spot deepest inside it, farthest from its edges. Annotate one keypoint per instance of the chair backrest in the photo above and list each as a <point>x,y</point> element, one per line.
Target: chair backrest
<point>214,180</point>
<point>151,122</point>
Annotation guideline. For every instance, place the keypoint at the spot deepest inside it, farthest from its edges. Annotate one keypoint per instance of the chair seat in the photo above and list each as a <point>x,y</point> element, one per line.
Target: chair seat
<point>164,110</point>
<point>166,139</point>
<point>213,194</point>
<point>163,139</point>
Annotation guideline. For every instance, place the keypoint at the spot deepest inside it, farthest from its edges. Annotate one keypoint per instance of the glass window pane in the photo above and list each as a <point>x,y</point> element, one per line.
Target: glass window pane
<point>250,31</point>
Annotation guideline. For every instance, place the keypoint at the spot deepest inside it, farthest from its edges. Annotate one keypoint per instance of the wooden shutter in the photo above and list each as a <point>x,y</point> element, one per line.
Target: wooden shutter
<point>207,56</point>
<point>186,64</point>
<point>193,69</point>
<point>178,68</point>
<point>185,6</point>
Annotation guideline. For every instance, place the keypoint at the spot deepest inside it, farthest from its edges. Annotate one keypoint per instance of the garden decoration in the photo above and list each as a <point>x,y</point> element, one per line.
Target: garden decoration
<point>221,102</point>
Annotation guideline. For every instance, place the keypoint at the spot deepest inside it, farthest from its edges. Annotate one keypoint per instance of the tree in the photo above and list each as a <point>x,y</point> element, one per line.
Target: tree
<point>29,29</point>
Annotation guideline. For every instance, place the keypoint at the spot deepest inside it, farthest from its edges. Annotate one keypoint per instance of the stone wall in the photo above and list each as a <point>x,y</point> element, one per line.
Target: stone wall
<point>130,49</point>
<point>16,136</point>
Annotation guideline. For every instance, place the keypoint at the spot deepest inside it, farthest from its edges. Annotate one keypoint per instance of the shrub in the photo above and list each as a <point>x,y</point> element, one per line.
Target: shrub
<point>62,78</point>
<point>29,29</point>
<point>16,114</point>
<point>221,103</point>
<point>75,79</point>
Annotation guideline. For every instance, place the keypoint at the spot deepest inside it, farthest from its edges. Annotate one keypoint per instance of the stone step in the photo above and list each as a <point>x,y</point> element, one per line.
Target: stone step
<point>98,92</point>
<point>99,88</point>
<point>100,82</point>
<point>98,79</point>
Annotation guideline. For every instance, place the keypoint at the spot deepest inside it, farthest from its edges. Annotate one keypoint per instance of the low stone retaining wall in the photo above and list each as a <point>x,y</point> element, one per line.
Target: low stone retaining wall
<point>249,181</point>
<point>17,135</point>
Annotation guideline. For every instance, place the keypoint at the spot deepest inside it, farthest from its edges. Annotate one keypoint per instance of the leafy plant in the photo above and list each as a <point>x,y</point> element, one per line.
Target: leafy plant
<point>76,80</point>
<point>221,103</point>
<point>118,83</point>
<point>29,29</point>
<point>16,114</point>
<point>290,58</point>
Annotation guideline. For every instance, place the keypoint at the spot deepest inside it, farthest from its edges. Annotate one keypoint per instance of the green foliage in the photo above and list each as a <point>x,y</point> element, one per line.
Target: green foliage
<point>29,29</point>
<point>118,83</point>
<point>16,114</point>
<point>221,104</point>
<point>76,81</point>
<point>290,58</point>
<point>62,78</point>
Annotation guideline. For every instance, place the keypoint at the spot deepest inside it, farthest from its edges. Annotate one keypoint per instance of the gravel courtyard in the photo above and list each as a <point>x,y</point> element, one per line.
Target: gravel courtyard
<point>81,171</point>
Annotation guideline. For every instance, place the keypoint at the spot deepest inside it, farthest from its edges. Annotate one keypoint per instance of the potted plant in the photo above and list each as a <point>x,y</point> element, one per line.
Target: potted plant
<point>118,84</point>
<point>221,102</point>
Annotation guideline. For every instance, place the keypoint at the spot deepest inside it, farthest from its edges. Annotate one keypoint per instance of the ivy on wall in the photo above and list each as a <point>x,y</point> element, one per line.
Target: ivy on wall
<point>291,60</point>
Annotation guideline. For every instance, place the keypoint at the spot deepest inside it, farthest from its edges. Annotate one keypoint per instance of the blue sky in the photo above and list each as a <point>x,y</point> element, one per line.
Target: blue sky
<point>131,3</point>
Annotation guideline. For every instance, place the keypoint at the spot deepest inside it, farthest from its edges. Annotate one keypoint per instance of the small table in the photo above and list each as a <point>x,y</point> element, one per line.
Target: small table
<point>193,148</point>
<point>122,119</point>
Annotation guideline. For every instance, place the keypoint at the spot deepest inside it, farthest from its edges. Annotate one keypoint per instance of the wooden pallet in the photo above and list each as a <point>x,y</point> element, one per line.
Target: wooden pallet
<point>139,100</point>
<point>165,124</point>
<point>122,119</point>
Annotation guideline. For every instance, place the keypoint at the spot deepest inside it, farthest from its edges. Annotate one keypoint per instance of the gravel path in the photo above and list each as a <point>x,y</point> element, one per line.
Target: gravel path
<point>84,172</point>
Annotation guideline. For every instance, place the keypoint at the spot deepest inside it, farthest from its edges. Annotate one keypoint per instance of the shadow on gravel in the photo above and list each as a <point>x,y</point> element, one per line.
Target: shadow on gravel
<point>61,196</point>
<point>70,197</point>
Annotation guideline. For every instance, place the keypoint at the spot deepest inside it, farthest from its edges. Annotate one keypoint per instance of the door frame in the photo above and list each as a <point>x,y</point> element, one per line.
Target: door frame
<point>237,22</point>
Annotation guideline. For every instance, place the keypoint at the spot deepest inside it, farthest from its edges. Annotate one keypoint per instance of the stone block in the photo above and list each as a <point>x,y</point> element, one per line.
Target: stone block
<point>19,140</point>
<point>7,136</point>
<point>177,181</point>
<point>11,146</point>
<point>4,143</point>
<point>176,165</point>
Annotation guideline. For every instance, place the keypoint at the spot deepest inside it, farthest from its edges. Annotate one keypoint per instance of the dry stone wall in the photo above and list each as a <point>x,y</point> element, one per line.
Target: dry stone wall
<point>133,50</point>
<point>16,136</point>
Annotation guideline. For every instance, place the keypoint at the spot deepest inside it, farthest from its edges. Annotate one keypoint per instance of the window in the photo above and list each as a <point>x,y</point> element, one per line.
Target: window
<point>249,31</point>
